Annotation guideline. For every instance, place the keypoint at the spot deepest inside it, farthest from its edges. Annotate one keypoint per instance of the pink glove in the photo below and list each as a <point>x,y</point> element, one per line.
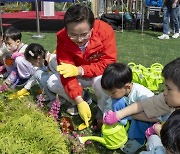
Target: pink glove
<point>150,131</point>
<point>110,118</point>
<point>16,54</point>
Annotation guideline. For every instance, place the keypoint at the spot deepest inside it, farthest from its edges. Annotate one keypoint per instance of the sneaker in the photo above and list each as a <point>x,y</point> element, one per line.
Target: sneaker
<point>163,37</point>
<point>176,35</point>
<point>131,147</point>
<point>72,110</point>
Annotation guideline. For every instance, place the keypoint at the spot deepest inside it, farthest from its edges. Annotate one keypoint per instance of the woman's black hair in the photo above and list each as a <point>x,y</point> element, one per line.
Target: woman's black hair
<point>78,13</point>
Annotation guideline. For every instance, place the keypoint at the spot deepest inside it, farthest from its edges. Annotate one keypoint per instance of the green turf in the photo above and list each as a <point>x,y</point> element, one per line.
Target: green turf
<point>133,46</point>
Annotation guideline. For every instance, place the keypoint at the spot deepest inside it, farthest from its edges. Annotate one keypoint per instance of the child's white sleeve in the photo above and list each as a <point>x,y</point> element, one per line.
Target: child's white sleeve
<point>31,82</point>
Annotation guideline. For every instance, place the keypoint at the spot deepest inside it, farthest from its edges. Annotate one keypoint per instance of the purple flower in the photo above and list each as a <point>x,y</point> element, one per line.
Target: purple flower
<point>55,108</point>
<point>40,100</point>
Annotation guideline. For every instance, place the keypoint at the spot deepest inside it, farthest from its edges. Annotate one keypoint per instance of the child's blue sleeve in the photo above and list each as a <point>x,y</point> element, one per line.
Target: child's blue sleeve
<point>118,104</point>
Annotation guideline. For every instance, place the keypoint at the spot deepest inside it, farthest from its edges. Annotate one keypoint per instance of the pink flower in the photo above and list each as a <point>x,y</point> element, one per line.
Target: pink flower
<point>40,101</point>
<point>55,108</point>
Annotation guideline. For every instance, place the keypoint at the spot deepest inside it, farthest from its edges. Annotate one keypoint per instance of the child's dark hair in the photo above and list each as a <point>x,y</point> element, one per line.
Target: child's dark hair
<point>12,33</point>
<point>33,51</point>
<point>170,133</point>
<point>79,13</point>
<point>116,75</point>
<point>172,72</point>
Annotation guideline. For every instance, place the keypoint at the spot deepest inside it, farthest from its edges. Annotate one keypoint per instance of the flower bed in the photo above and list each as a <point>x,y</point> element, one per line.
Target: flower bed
<point>23,129</point>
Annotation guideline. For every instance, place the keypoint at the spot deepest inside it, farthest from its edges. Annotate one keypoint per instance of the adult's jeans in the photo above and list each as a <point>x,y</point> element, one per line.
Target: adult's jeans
<point>167,13</point>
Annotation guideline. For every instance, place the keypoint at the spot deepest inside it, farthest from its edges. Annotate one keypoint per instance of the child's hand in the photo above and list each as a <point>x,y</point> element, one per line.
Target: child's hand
<point>110,118</point>
<point>155,129</point>
<point>150,131</point>
<point>16,54</point>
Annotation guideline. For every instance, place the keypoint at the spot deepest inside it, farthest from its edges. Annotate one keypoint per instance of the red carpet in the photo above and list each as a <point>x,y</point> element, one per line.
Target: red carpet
<point>27,20</point>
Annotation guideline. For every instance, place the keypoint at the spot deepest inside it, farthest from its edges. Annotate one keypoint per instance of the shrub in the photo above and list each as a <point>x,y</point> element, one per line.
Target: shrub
<point>25,130</point>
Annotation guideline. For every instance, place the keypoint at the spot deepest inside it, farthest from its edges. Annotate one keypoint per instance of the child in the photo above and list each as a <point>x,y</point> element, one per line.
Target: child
<point>46,64</point>
<point>155,106</point>
<point>167,139</point>
<point>18,68</point>
<point>117,81</point>
<point>3,52</point>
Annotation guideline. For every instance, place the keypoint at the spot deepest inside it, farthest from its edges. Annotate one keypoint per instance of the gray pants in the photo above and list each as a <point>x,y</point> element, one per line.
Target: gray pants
<point>42,77</point>
<point>154,146</point>
<point>54,85</point>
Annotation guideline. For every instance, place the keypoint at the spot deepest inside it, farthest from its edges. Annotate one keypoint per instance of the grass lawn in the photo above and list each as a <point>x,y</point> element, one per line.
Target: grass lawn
<point>132,46</point>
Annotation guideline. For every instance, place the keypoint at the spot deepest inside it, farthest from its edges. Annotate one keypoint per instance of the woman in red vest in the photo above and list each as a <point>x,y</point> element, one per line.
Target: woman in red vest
<point>84,48</point>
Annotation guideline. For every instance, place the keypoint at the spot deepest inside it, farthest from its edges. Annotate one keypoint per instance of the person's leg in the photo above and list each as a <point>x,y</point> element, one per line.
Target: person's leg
<point>101,7</point>
<point>179,18</point>
<point>153,141</point>
<point>175,16</point>
<point>54,85</point>
<point>136,136</point>
<point>102,99</point>
<point>42,77</point>
<point>166,17</point>
<point>137,130</point>
<point>172,27</point>
<point>99,92</point>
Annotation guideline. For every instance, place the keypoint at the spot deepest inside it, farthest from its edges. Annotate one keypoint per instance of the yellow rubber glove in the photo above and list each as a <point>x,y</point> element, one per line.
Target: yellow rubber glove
<point>84,112</point>
<point>67,70</point>
<point>83,125</point>
<point>19,94</point>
